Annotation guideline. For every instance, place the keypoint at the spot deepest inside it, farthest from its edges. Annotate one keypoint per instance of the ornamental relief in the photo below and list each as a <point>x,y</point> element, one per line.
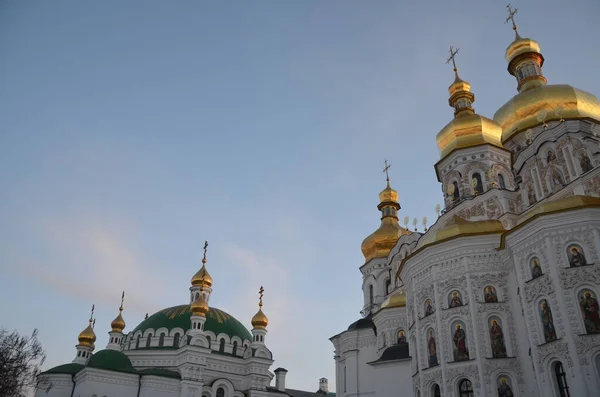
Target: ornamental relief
<point>497,280</point>
<point>462,311</point>
<point>471,371</point>
<point>592,186</point>
<point>524,252</point>
<point>445,287</point>
<point>540,286</point>
<point>491,367</point>
<point>430,376</point>
<point>484,312</point>
<point>561,349</point>
<point>574,276</point>
<point>586,346</point>
<point>580,234</point>
<point>448,332</point>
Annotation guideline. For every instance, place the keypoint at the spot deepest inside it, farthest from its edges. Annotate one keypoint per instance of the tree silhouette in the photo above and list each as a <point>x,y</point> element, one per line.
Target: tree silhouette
<point>20,361</point>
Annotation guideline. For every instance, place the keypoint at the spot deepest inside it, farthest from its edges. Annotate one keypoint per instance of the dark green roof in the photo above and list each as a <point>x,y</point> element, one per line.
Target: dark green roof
<point>167,373</point>
<point>112,360</point>
<point>71,368</point>
<point>217,321</point>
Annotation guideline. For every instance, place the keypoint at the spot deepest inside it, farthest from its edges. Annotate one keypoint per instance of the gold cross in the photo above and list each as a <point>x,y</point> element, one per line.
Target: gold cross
<point>452,58</point>
<point>261,292</point>
<point>205,248</point>
<point>387,167</point>
<point>511,15</point>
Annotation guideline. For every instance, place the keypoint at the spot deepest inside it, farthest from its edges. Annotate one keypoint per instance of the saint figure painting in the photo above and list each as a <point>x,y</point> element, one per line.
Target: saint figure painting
<point>489,294</point>
<point>497,338</point>
<point>576,256</point>
<point>455,300</point>
<point>431,348</point>
<point>547,321</point>
<point>504,389</point>
<point>536,269</point>
<point>589,309</point>
<point>461,352</point>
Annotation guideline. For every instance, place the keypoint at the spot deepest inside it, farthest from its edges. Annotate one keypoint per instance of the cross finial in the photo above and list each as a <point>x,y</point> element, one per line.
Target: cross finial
<point>122,300</point>
<point>261,292</point>
<point>387,167</point>
<point>92,313</point>
<point>511,16</point>
<point>452,58</point>
<point>205,248</point>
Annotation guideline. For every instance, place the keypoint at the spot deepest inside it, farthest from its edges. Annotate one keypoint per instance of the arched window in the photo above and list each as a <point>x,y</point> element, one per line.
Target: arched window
<point>456,194</point>
<point>176,340</point>
<point>561,380</point>
<point>478,184</point>
<point>465,388</point>
<point>501,181</point>
<point>161,340</point>
<point>388,283</point>
<point>222,345</point>
<point>371,295</point>
<point>220,392</point>
<point>208,338</point>
<point>234,351</point>
<point>148,340</point>
<point>137,341</point>
<point>435,391</point>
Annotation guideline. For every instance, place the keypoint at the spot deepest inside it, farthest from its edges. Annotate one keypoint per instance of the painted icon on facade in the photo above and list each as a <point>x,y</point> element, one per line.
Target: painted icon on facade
<point>504,387</point>
<point>455,299</point>
<point>497,338</point>
<point>459,338</point>
<point>547,321</point>
<point>589,309</point>
<point>401,336</point>
<point>576,256</point>
<point>489,294</point>
<point>536,269</point>
<point>428,307</point>
<point>431,348</point>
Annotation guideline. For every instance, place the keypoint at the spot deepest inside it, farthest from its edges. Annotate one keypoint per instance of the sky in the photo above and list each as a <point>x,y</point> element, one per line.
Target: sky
<point>131,132</point>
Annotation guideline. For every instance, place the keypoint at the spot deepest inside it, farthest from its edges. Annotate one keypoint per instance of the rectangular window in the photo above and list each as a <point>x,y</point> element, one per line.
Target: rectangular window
<point>344,378</point>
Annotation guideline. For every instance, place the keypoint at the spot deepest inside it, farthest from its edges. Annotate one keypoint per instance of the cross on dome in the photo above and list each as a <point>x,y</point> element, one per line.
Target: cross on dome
<point>387,175</point>
<point>452,57</point>
<point>511,16</point>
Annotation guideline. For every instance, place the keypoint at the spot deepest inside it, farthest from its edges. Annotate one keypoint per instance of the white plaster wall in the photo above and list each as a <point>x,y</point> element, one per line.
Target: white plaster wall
<point>393,379</point>
<point>62,385</point>
<point>102,383</point>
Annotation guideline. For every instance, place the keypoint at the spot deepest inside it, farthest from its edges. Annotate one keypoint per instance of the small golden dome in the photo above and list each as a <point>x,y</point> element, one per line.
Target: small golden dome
<point>388,195</point>
<point>199,307</point>
<point>260,320</point>
<point>554,102</point>
<point>521,46</point>
<point>118,324</point>
<point>202,278</point>
<point>396,300</point>
<point>87,337</point>
<point>467,130</point>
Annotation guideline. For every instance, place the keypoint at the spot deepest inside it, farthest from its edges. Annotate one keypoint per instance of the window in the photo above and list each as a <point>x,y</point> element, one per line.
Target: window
<point>456,194</point>
<point>161,340</point>
<point>222,345</point>
<point>561,380</point>
<point>501,181</point>
<point>388,283</point>
<point>148,340</point>
<point>220,392</point>
<point>478,184</point>
<point>234,351</point>
<point>137,341</point>
<point>208,338</point>
<point>465,388</point>
<point>436,392</point>
<point>176,340</point>
<point>370,295</point>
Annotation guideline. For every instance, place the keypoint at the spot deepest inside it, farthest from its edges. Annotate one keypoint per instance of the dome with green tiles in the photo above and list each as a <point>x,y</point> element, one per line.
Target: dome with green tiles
<point>217,321</point>
<point>111,360</point>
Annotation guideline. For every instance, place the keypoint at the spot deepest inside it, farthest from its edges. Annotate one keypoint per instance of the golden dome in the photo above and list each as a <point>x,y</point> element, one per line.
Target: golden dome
<point>199,307</point>
<point>202,278</point>
<point>554,102</point>
<point>388,195</point>
<point>380,243</point>
<point>466,130</point>
<point>118,324</point>
<point>521,46</point>
<point>260,320</point>
<point>87,337</point>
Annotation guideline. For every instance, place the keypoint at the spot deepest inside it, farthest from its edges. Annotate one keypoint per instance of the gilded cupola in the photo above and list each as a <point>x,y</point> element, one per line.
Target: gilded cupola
<point>118,324</point>
<point>537,103</point>
<point>199,306</point>
<point>202,277</point>
<point>260,320</point>
<point>87,337</point>
<point>467,129</point>
<point>380,243</point>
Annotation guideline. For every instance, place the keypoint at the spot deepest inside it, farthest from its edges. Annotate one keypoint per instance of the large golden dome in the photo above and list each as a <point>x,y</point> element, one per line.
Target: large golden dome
<point>554,102</point>
<point>380,243</point>
<point>87,337</point>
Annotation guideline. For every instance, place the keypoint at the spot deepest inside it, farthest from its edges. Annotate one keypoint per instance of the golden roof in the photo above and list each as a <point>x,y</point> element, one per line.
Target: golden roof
<point>461,227</point>
<point>118,324</point>
<point>555,102</point>
<point>467,130</point>
<point>260,320</point>
<point>199,306</point>
<point>397,300</point>
<point>202,278</point>
<point>381,241</point>
<point>521,46</point>
<point>87,337</point>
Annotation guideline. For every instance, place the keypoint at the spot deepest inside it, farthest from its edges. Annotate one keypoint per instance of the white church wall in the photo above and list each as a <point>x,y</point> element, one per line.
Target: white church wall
<point>55,385</point>
<point>156,386</point>
<point>391,379</point>
<point>91,381</point>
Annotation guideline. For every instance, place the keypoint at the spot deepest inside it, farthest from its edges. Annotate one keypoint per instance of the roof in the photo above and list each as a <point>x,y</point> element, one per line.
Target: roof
<point>112,360</point>
<point>299,393</point>
<point>217,321</point>
<point>160,372</point>
<point>71,368</point>
<point>362,323</point>
<point>393,353</point>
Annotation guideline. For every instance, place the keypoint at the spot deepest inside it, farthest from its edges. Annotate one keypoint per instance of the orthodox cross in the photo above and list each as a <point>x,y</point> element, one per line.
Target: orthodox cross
<point>261,292</point>
<point>511,15</point>
<point>92,314</point>
<point>452,58</point>
<point>122,299</point>
<point>387,167</point>
<point>205,248</point>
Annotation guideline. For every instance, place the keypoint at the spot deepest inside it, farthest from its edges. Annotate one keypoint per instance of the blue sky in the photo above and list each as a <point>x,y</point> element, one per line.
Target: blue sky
<point>130,132</point>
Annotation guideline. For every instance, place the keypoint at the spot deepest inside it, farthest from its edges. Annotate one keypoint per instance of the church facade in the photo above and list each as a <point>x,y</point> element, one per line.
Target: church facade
<point>500,296</point>
<point>190,350</point>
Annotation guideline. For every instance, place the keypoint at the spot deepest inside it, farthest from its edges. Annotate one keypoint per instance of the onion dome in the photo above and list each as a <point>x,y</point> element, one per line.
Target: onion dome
<point>537,102</point>
<point>467,129</point>
<point>260,320</point>
<point>381,241</point>
<point>199,307</point>
<point>87,337</point>
<point>118,324</point>
<point>202,278</point>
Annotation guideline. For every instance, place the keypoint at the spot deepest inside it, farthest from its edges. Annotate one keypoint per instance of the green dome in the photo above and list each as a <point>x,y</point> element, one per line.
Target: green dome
<point>217,321</point>
<point>71,368</point>
<point>112,360</point>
